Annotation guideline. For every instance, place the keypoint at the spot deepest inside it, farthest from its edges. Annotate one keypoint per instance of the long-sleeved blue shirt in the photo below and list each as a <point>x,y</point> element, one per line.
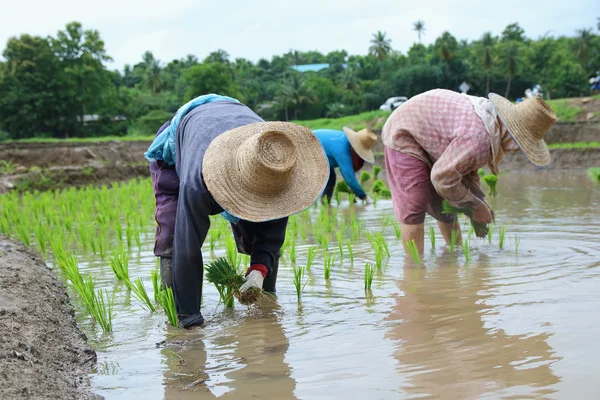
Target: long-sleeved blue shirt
<point>338,150</point>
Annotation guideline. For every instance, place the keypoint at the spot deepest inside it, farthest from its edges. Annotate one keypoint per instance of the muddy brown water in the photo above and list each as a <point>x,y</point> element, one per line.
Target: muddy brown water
<point>504,325</point>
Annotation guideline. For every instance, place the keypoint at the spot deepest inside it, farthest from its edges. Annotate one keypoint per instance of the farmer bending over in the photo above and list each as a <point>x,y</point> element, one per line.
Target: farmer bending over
<point>347,150</point>
<point>436,142</point>
<point>216,156</point>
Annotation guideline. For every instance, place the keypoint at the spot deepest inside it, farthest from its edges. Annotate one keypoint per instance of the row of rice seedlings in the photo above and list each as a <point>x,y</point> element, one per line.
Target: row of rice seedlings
<point>328,261</point>
<point>310,257</point>
<point>413,251</point>
<point>453,239</point>
<point>466,250</point>
<point>368,276</point>
<point>350,250</point>
<point>501,233</point>
<point>299,282</point>
<point>432,236</point>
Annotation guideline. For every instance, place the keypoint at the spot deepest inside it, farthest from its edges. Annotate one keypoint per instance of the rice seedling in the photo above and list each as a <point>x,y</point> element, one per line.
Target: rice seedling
<point>104,305</point>
<point>382,242</point>
<point>594,174</point>
<point>466,250</point>
<point>139,291</point>
<point>310,256</point>
<point>375,197</point>
<point>397,231</point>
<point>167,301</point>
<point>490,233</point>
<point>481,230</point>
<point>432,236</point>
<point>385,193</point>
<point>342,187</point>
<point>411,246</point>
<point>156,284</point>
<point>491,180</point>
<point>40,235</point>
<point>228,280</point>
<point>299,282</point>
<point>350,251</point>
<point>453,239</point>
<point>351,199</point>
<point>329,260</point>
<point>338,198</point>
<point>517,243</point>
<point>231,250</point>
<point>340,244</point>
<point>368,276</point>
<point>379,256</point>
<point>481,173</point>
<point>292,251</point>
<point>324,241</point>
<point>470,232</point>
<point>376,171</point>
<point>119,263</point>
<point>501,233</point>
<point>364,177</point>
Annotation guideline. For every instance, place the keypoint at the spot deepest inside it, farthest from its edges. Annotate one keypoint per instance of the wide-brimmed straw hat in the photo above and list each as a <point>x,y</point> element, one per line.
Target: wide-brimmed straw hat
<point>362,142</point>
<point>266,170</point>
<point>527,122</point>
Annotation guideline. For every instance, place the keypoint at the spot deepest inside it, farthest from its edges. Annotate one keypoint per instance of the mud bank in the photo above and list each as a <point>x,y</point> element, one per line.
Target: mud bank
<point>43,354</point>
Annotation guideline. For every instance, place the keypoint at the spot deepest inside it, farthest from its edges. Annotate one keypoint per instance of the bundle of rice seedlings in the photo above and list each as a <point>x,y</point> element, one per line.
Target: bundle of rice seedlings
<point>378,186</point>
<point>376,171</point>
<point>413,251</point>
<point>491,180</point>
<point>364,176</point>
<point>228,281</point>
<point>342,187</point>
<point>385,193</point>
<point>594,173</point>
<point>481,230</point>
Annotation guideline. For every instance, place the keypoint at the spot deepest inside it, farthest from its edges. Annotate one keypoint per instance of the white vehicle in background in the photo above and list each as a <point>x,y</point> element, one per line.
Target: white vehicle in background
<point>392,103</point>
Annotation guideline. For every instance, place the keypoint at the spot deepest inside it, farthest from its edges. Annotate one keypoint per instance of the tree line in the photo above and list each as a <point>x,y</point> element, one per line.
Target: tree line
<point>59,86</point>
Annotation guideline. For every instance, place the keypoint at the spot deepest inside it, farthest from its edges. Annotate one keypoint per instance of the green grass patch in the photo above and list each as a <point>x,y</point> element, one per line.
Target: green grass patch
<point>370,119</point>
<point>575,145</point>
<point>564,111</point>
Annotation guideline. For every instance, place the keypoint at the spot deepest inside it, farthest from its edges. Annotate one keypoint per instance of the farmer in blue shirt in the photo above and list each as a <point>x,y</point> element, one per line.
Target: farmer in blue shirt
<point>347,150</point>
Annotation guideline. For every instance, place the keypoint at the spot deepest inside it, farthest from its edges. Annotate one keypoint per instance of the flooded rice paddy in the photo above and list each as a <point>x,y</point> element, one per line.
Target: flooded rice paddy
<point>504,325</point>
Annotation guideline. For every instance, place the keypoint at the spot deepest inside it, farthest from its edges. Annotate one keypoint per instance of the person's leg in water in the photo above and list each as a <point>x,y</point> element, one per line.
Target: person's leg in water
<point>262,241</point>
<point>329,188</point>
<point>413,197</point>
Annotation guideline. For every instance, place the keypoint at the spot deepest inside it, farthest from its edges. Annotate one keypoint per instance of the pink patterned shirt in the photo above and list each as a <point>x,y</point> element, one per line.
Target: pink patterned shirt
<point>441,128</point>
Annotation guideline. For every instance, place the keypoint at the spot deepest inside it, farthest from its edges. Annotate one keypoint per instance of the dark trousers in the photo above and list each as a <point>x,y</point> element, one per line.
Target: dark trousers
<point>330,187</point>
<point>261,240</point>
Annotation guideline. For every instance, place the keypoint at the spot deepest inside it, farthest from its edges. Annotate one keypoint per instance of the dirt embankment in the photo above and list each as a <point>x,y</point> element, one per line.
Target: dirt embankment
<point>43,354</point>
<point>53,165</point>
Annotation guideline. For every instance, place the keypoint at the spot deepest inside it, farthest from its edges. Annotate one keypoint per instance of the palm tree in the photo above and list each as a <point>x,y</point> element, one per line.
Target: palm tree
<point>349,80</point>
<point>446,46</point>
<point>152,73</point>
<point>487,42</point>
<point>380,45</point>
<point>419,27</point>
<point>512,61</point>
<point>293,94</point>
<point>584,44</point>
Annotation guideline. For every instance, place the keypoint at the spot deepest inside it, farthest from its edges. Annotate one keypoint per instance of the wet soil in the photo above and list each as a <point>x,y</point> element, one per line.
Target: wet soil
<point>43,354</point>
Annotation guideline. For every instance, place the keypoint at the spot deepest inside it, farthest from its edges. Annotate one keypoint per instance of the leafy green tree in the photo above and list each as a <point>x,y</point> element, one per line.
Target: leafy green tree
<point>380,45</point>
<point>511,62</point>
<point>210,78</point>
<point>513,33</point>
<point>419,27</point>
<point>417,54</point>
<point>294,93</point>
<point>446,46</point>
<point>585,45</point>
<point>219,56</point>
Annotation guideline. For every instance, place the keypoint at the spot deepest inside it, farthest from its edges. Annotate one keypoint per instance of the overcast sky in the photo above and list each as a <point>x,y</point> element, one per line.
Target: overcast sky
<point>254,29</point>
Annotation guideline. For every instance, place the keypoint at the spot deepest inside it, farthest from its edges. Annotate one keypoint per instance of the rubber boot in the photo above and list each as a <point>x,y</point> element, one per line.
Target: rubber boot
<point>271,279</point>
<point>166,271</point>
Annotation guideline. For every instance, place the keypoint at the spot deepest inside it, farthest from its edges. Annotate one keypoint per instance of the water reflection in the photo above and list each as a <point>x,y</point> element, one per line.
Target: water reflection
<point>243,360</point>
<point>445,347</point>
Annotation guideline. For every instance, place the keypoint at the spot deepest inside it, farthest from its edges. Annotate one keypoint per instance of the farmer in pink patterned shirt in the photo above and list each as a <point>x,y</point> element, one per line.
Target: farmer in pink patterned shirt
<point>436,142</point>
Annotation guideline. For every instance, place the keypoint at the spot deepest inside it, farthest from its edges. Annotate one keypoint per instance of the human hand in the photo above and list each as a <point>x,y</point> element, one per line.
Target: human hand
<point>482,213</point>
<point>367,200</point>
<point>253,279</point>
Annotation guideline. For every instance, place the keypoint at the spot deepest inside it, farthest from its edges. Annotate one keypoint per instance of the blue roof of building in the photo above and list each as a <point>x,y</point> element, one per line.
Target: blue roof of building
<point>310,67</point>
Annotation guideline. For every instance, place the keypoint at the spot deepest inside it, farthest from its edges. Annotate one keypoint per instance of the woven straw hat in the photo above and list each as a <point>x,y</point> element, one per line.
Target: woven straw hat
<point>266,170</point>
<point>362,142</point>
<point>527,122</point>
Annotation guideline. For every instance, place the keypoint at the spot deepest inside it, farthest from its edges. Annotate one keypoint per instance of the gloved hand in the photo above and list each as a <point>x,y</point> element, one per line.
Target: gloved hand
<point>482,213</point>
<point>367,200</point>
<point>253,279</point>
